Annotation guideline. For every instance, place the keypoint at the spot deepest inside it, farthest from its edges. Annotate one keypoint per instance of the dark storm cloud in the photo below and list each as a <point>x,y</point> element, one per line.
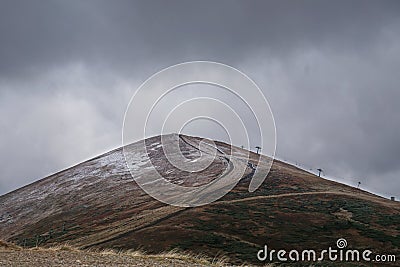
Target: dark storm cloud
<point>328,68</point>
<point>37,34</point>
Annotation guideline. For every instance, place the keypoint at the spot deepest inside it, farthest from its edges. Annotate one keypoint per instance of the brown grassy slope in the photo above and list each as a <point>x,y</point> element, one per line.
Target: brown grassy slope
<point>292,209</point>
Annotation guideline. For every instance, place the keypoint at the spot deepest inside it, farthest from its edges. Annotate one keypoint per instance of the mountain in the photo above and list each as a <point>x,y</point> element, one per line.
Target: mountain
<point>97,204</point>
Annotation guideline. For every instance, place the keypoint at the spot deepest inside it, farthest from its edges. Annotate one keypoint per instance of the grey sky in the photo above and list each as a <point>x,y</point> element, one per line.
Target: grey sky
<point>328,68</point>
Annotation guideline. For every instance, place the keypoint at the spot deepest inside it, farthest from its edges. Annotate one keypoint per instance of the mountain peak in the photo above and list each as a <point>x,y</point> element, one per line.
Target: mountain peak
<point>98,203</point>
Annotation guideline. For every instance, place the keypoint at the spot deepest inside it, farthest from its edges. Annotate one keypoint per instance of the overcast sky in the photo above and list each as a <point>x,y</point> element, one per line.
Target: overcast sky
<point>329,69</point>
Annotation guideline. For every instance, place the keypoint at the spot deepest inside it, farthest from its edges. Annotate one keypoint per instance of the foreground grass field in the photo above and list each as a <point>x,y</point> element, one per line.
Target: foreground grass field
<point>64,255</point>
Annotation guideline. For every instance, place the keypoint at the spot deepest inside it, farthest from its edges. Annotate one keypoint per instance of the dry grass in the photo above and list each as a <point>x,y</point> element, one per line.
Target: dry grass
<point>174,254</point>
<point>171,254</point>
<point>62,247</point>
<point>7,245</point>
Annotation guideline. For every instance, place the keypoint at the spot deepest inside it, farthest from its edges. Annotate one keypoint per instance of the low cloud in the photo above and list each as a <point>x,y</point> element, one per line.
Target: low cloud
<point>328,69</point>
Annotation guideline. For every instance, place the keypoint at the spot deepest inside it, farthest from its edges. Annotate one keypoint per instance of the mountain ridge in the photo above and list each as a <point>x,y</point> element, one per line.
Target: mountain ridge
<point>101,206</point>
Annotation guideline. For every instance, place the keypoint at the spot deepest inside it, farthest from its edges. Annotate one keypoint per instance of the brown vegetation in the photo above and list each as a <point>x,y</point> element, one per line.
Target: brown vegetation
<point>105,209</point>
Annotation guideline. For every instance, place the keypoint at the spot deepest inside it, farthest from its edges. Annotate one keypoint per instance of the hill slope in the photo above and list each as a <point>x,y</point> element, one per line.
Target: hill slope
<point>97,204</point>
